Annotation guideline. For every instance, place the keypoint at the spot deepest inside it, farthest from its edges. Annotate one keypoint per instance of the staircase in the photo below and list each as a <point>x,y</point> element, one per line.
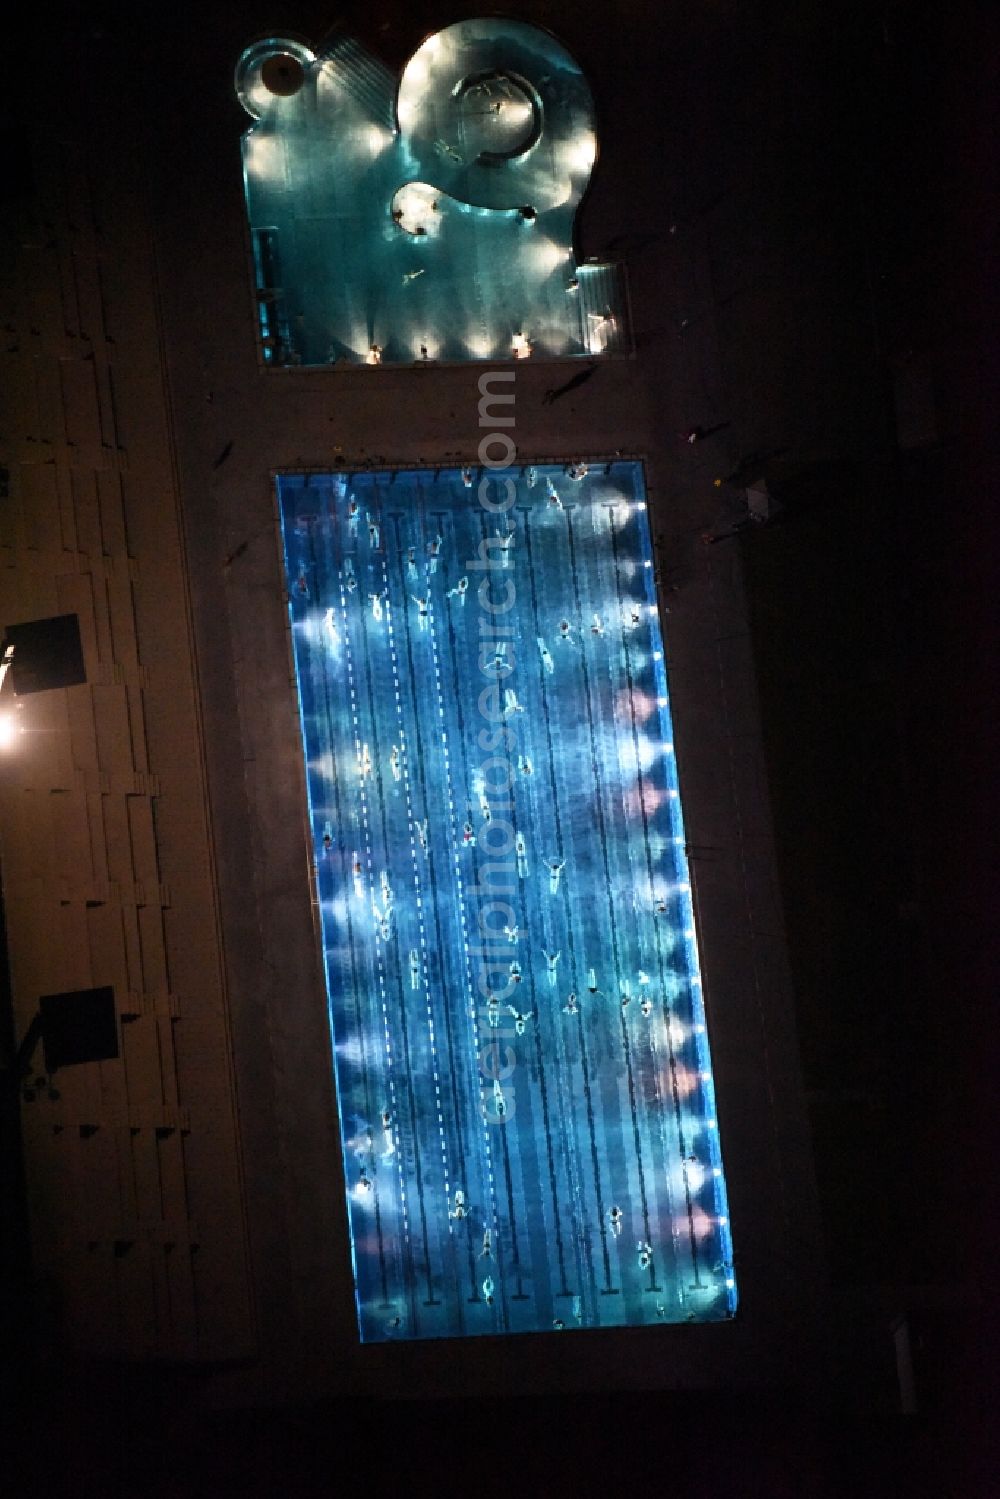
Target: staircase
<point>602,292</point>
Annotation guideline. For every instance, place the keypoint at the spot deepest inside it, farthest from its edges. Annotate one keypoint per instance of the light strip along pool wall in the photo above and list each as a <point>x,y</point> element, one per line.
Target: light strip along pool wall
<point>522,1064</point>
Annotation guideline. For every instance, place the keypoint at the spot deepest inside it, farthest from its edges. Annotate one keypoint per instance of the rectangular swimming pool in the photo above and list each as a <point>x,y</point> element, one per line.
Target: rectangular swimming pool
<point>522,1064</point>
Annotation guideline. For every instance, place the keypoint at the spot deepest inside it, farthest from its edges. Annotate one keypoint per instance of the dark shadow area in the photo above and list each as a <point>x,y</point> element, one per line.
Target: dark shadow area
<point>871,615</point>
<point>139,1432</point>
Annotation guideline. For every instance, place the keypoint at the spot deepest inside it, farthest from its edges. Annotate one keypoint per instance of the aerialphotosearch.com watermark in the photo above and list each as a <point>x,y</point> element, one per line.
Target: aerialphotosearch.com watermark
<point>502,852</point>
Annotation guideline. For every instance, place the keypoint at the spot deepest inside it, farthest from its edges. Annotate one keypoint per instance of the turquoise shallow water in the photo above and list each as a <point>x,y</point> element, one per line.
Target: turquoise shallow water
<point>425,217</point>
<point>522,1064</point>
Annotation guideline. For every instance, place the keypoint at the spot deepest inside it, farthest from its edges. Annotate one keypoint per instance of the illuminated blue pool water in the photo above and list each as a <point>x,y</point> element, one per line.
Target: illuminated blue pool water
<point>522,1066</point>
<point>429,216</point>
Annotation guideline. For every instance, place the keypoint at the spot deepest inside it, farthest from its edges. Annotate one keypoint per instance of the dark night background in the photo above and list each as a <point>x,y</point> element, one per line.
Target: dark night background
<point>831,171</point>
